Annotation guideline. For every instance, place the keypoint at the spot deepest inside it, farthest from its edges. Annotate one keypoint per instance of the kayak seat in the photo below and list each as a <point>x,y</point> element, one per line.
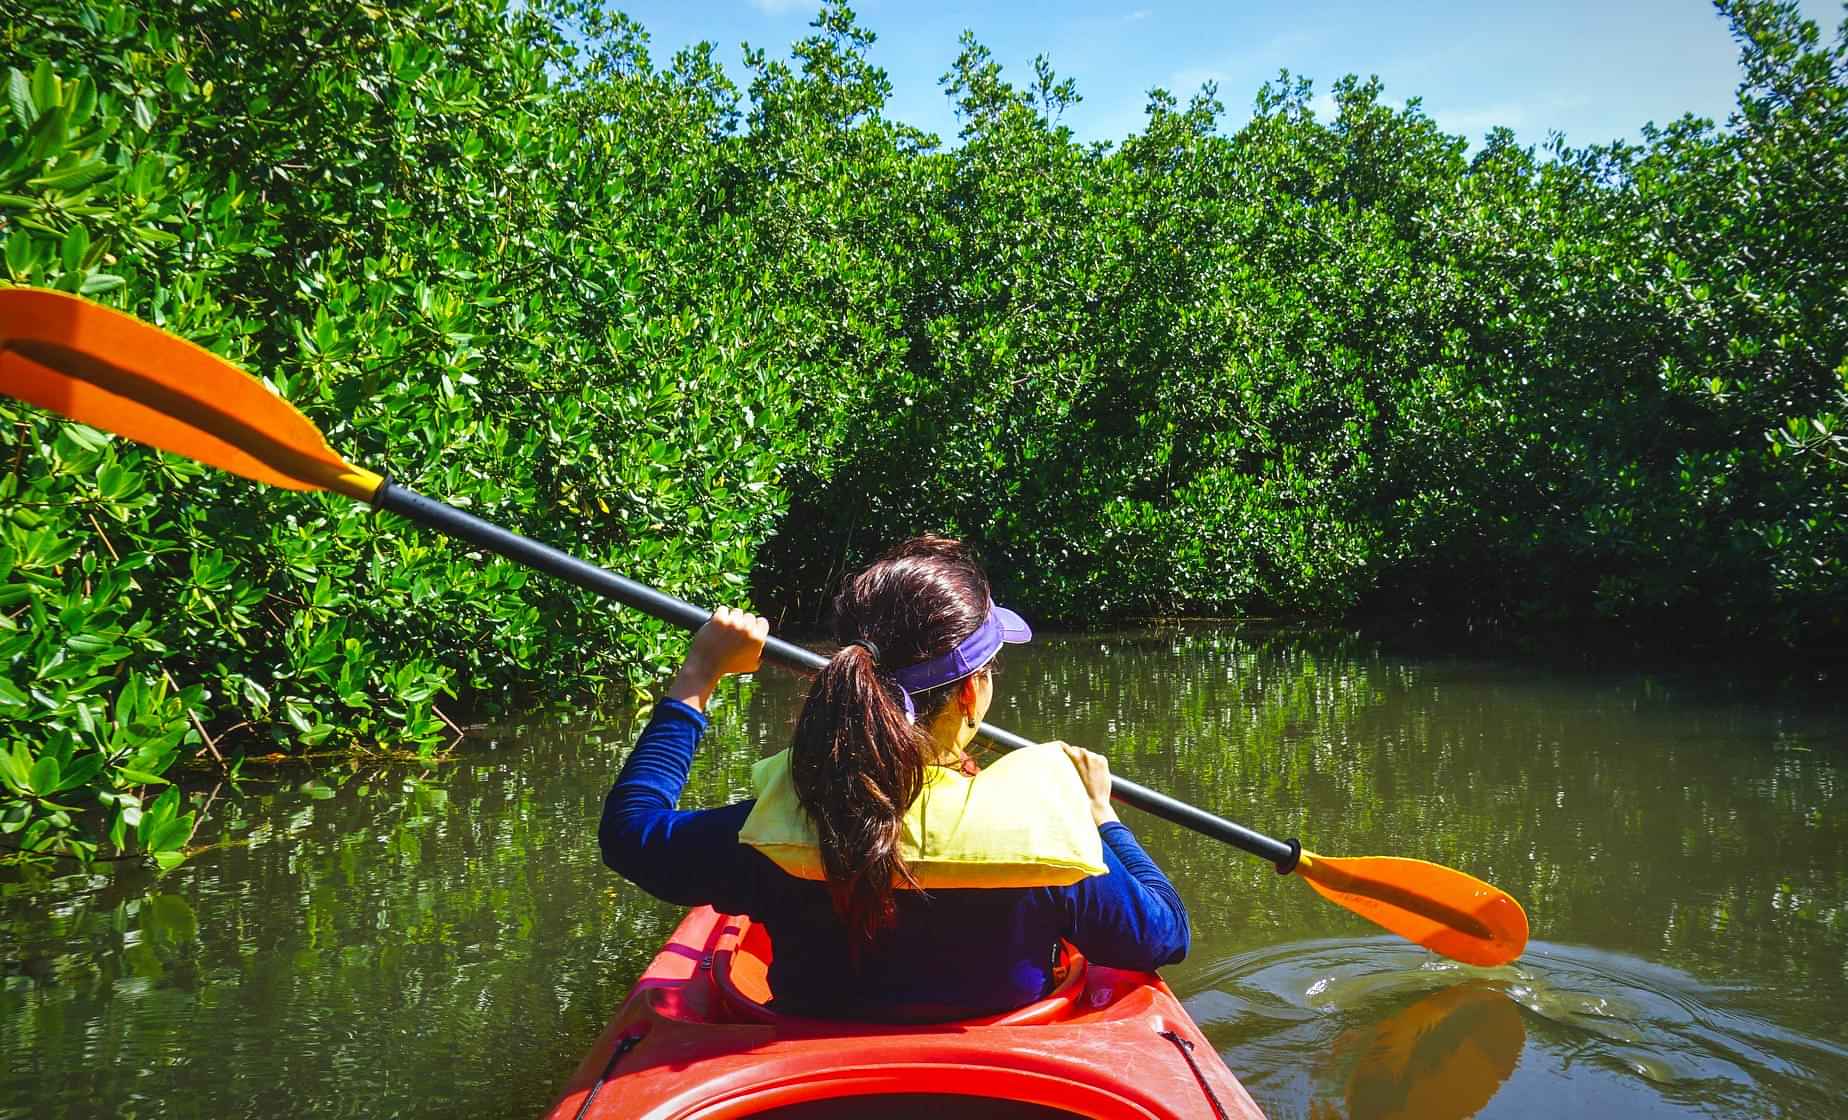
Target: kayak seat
<point>741,972</point>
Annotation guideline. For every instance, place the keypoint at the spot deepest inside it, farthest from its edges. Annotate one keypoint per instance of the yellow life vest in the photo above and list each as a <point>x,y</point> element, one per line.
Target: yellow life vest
<point>1025,821</point>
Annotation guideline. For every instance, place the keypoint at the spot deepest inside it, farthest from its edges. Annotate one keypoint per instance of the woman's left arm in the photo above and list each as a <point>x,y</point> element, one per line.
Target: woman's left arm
<point>1131,917</point>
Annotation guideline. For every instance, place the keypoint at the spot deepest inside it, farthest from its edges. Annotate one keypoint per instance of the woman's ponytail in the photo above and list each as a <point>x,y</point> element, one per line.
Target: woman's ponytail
<point>858,760</point>
<point>858,764</point>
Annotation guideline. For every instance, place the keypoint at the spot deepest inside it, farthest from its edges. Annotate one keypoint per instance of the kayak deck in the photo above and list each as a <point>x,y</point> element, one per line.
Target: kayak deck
<point>694,1041</point>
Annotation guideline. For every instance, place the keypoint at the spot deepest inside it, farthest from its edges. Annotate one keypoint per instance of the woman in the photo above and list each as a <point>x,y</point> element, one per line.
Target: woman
<point>892,885</point>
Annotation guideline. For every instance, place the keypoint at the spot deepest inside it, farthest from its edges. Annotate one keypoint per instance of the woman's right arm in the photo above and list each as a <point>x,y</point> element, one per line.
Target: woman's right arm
<point>685,857</point>
<point>689,858</point>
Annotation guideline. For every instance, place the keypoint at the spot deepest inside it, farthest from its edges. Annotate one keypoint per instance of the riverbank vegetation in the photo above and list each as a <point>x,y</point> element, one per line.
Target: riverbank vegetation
<point>728,333</point>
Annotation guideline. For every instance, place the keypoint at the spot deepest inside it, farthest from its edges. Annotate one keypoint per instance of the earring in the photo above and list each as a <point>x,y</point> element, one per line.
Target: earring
<point>968,721</point>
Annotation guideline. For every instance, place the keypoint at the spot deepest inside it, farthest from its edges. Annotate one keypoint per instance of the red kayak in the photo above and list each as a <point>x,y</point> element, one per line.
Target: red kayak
<point>694,1040</point>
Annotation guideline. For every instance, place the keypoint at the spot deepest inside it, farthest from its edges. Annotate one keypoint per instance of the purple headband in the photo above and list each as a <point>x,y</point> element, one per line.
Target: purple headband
<point>970,654</point>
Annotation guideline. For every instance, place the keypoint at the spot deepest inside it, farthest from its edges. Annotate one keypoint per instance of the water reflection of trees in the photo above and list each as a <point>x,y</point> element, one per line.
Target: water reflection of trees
<point>1622,813</point>
<point>459,948</point>
<point>342,948</point>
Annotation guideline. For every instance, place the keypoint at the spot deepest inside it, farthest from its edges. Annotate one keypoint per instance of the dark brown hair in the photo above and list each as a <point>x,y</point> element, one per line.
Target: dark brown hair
<point>857,762</point>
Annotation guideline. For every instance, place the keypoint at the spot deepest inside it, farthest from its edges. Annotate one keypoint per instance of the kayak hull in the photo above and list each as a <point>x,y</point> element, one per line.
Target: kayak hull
<point>695,1042</point>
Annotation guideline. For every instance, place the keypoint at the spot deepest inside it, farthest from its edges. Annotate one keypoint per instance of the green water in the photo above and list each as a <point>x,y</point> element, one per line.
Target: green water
<point>392,941</point>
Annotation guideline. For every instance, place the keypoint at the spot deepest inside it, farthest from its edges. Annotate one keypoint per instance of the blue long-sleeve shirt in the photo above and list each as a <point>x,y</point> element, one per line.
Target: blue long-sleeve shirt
<point>952,953</point>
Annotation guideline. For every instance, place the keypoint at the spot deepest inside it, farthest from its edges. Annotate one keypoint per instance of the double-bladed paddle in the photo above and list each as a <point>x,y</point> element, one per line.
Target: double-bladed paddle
<point>114,372</point>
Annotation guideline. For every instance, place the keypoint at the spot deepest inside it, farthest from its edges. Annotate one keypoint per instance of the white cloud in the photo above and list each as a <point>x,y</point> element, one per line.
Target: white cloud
<point>1138,15</point>
<point>786,7</point>
<point>1183,83</point>
<point>1474,122</point>
<point>1242,71</point>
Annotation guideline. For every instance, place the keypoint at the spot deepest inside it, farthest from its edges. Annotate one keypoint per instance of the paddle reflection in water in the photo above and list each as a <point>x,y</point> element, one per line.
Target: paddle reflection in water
<point>1442,1058</point>
<point>1400,1033</point>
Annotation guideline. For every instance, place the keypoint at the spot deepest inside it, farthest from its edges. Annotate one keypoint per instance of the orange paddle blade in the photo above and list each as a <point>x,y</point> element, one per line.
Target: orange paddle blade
<point>115,372</point>
<point>1438,907</point>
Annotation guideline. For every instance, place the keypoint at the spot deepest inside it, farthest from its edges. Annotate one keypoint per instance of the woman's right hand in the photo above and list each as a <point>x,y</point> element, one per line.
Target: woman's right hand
<point>731,641</point>
<point>1094,771</point>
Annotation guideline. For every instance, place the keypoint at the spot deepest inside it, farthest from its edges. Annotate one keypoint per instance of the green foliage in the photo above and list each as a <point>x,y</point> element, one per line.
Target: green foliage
<point>432,229</point>
<point>720,337</point>
<point>1345,365</point>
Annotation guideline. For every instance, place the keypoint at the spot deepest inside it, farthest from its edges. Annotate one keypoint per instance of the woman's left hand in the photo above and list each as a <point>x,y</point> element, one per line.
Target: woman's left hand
<point>1094,771</point>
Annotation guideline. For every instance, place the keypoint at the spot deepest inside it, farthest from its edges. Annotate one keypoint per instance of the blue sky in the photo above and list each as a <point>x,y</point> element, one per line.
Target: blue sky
<point>1594,69</point>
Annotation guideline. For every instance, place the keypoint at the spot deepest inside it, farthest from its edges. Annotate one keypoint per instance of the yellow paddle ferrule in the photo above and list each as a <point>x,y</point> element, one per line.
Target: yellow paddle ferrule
<point>357,483</point>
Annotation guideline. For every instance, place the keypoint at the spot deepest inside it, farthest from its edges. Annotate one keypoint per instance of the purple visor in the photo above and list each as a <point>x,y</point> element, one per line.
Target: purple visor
<point>978,649</point>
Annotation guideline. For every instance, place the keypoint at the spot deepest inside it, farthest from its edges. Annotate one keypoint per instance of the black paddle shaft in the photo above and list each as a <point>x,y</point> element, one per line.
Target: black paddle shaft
<point>453,522</point>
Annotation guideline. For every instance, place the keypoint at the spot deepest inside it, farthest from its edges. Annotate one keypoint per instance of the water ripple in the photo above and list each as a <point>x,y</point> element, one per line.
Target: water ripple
<point>1374,1028</point>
